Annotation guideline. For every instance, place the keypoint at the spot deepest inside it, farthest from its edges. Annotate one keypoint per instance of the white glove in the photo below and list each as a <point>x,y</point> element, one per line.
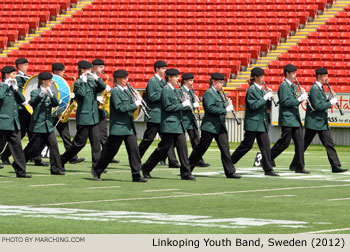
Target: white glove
<point>49,92</point>
<point>333,101</point>
<point>229,108</point>
<point>25,103</point>
<point>138,102</point>
<point>14,85</point>
<point>303,97</point>
<point>72,95</point>
<point>267,96</point>
<point>8,81</point>
<point>83,77</point>
<point>100,99</point>
<point>42,92</point>
<point>95,76</point>
<point>186,103</point>
<point>196,105</point>
<point>108,88</point>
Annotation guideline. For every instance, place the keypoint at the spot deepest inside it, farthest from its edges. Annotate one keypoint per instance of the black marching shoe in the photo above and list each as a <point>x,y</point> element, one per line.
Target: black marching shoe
<point>60,172</point>
<point>94,175</point>
<point>5,161</point>
<point>145,173</point>
<point>302,171</point>
<point>40,163</point>
<point>338,169</point>
<point>271,173</point>
<point>174,165</point>
<point>202,164</point>
<point>233,175</point>
<point>139,179</point>
<point>189,177</point>
<point>162,162</point>
<point>24,175</point>
<point>76,160</point>
<point>292,168</point>
<point>114,161</point>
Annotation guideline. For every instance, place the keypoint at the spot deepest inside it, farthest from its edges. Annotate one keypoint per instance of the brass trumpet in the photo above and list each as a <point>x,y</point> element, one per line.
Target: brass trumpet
<point>71,106</point>
<point>104,105</point>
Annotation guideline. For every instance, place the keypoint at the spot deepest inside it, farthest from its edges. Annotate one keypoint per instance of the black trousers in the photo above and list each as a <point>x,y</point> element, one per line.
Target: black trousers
<point>327,141</point>
<point>48,139</point>
<point>83,133</point>
<point>103,131</point>
<point>194,139</point>
<point>247,143</point>
<point>160,153</point>
<point>111,148</point>
<point>13,138</point>
<point>24,120</point>
<point>202,147</point>
<point>287,134</point>
<point>148,137</point>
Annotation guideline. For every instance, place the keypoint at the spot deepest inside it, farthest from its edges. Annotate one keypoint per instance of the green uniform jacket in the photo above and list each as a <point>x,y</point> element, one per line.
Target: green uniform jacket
<point>41,120</point>
<point>318,119</point>
<point>20,83</point>
<point>256,117</point>
<point>153,99</point>
<point>101,113</point>
<point>121,122</point>
<point>289,105</point>
<point>215,111</point>
<point>171,114</point>
<point>85,95</point>
<point>188,119</point>
<point>10,102</point>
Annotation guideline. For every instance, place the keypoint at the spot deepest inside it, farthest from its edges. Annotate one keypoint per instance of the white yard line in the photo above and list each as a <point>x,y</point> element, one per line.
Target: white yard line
<point>47,185</point>
<point>279,196</point>
<point>327,231</point>
<point>103,187</point>
<point>3,182</point>
<point>338,199</point>
<point>192,195</point>
<point>160,190</point>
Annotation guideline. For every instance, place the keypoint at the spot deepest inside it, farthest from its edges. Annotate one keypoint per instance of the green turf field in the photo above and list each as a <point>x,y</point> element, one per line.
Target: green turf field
<point>74,203</point>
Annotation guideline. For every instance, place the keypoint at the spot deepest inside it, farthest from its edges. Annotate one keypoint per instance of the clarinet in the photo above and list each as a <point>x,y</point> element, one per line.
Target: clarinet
<point>308,101</point>
<point>233,112</point>
<point>185,97</point>
<point>198,110</point>
<point>273,100</point>
<point>333,95</point>
<point>143,105</point>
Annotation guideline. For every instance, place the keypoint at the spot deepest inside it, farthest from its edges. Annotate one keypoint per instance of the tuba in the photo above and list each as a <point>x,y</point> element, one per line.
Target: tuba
<point>72,105</point>
<point>105,97</point>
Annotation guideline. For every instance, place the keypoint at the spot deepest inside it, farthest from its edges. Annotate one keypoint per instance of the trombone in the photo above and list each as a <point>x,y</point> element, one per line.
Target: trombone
<point>144,107</point>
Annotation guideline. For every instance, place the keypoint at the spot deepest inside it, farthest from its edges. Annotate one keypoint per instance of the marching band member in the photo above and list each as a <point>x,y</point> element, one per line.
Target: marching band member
<point>189,121</point>
<point>41,126</point>
<point>86,89</point>
<point>10,100</point>
<point>316,122</point>
<point>153,98</point>
<point>63,128</point>
<point>171,128</point>
<point>256,124</point>
<point>24,115</point>
<point>289,119</point>
<point>122,128</point>
<point>97,68</point>
<point>213,126</point>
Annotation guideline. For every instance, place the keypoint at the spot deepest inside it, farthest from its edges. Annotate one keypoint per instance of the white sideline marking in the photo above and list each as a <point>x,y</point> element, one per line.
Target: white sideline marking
<point>278,196</point>
<point>103,187</point>
<point>338,199</point>
<point>191,195</point>
<point>160,190</point>
<point>47,185</point>
<point>3,182</point>
<point>327,231</point>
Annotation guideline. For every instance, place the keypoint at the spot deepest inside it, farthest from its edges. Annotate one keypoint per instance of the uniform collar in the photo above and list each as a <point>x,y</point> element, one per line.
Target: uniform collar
<point>214,89</point>
<point>186,88</point>
<point>319,85</point>
<point>20,73</point>
<point>171,86</point>
<point>158,77</point>
<point>121,88</point>
<point>257,85</point>
<point>288,81</point>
